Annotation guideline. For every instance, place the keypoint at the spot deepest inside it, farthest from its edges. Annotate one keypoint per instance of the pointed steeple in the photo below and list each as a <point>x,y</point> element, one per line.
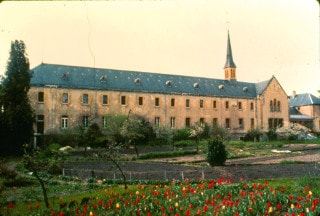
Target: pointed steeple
<point>230,66</point>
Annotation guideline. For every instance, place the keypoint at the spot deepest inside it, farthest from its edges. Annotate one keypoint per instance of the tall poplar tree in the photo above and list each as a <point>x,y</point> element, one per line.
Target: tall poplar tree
<point>17,115</point>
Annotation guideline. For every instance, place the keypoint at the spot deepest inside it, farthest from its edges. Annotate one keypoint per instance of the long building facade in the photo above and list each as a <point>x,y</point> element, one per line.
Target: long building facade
<point>68,96</point>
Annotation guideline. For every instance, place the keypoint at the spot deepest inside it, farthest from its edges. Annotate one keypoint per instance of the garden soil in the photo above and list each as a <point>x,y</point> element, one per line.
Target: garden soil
<point>301,161</point>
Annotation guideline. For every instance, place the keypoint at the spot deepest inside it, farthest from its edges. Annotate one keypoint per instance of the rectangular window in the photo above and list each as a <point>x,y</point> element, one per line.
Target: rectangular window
<point>157,121</point>
<point>140,101</point>
<point>251,106</point>
<point>214,122</point>
<point>40,97</point>
<point>214,104</point>
<point>252,123</point>
<point>40,124</point>
<point>188,122</point>
<point>173,122</point>
<point>227,123</point>
<point>172,102</point>
<point>275,122</point>
<point>227,104</point>
<point>65,98</point>
<point>187,103</point>
<point>123,100</point>
<point>64,122</point>
<point>202,120</point>
<point>85,121</point>
<point>105,99</point>
<point>241,123</point>
<point>157,102</point>
<point>239,105</point>
<point>104,121</point>
<point>201,103</point>
<point>85,99</point>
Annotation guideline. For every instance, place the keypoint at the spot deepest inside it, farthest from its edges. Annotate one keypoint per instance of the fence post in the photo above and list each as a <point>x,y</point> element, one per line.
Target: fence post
<point>182,176</point>
<point>130,177</point>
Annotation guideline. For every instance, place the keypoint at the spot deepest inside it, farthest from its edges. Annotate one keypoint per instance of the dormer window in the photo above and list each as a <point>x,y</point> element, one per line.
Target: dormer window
<point>245,89</point>
<point>137,81</point>
<point>168,83</point>
<point>196,85</point>
<point>103,78</point>
<point>65,75</point>
<point>221,87</point>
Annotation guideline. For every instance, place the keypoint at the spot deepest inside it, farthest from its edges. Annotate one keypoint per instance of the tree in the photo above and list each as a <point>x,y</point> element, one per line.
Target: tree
<point>17,114</point>
<point>196,132</point>
<point>136,131</point>
<point>42,163</point>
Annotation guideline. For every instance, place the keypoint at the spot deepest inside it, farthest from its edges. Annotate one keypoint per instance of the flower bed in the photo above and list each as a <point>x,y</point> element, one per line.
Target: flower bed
<point>202,197</point>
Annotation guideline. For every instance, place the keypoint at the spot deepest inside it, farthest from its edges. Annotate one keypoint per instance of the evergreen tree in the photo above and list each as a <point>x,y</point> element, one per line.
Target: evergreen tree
<point>17,114</point>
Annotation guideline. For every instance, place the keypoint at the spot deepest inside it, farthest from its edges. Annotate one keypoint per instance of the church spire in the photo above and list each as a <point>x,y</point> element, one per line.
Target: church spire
<point>230,66</point>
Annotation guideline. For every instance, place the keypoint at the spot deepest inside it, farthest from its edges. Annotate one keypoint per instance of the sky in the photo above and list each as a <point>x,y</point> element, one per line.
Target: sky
<point>181,37</point>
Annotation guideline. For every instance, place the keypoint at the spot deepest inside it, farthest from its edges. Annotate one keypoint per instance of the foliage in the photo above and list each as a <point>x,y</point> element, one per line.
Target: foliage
<point>182,134</point>
<point>293,132</point>
<point>196,132</point>
<point>92,136</point>
<point>272,134</point>
<point>112,131</point>
<point>221,132</point>
<point>253,134</point>
<point>136,130</point>
<point>183,143</point>
<point>42,163</point>
<point>164,135</point>
<point>17,116</point>
<point>165,154</point>
<point>70,136</point>
<point>217,154</point>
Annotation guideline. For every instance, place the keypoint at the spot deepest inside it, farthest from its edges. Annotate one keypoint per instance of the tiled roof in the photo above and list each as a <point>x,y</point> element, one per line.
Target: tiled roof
<point>295,115</point>
<point>64,76</point>
<point>303,100</point>
<point>229,60</point>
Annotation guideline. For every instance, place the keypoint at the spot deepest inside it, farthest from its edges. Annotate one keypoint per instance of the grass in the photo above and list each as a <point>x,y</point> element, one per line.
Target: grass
<point>166,154</point>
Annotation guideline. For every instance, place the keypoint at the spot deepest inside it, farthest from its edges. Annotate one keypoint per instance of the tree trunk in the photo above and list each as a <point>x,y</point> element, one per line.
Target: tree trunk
<point>44,190</point>
<point>136,150</point>
<point>123,175</point>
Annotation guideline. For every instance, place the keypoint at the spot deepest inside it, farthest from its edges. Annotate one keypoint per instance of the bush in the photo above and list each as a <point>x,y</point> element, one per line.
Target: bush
<point>217,154</point>
<point>221,132</point>
<point>182,134</point>
<point>253,135</point>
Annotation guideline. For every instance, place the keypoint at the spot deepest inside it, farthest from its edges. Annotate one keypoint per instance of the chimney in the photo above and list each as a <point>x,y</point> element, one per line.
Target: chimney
<point>294,94</point>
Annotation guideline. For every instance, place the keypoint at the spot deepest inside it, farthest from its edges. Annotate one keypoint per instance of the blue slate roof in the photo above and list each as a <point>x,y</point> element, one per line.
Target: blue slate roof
<point>295,115</point>
<point>76,77</point>
<point>304,100</point>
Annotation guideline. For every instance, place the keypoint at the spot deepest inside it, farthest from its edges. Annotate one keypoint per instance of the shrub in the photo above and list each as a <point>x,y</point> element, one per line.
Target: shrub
<point>182,134</point>
<point>217,154</point>
<point>293,132</point>
<point>221,132</point>
<point>253,134</point>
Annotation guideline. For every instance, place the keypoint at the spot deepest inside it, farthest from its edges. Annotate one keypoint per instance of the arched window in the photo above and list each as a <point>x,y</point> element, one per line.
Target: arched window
<point>271,106</point>
<point>279,106</point>
<point>274,105</point>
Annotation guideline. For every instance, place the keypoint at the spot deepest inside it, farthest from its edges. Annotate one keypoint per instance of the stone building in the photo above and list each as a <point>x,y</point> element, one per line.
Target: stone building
<point>305,110</point>
<point>67,96</point>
